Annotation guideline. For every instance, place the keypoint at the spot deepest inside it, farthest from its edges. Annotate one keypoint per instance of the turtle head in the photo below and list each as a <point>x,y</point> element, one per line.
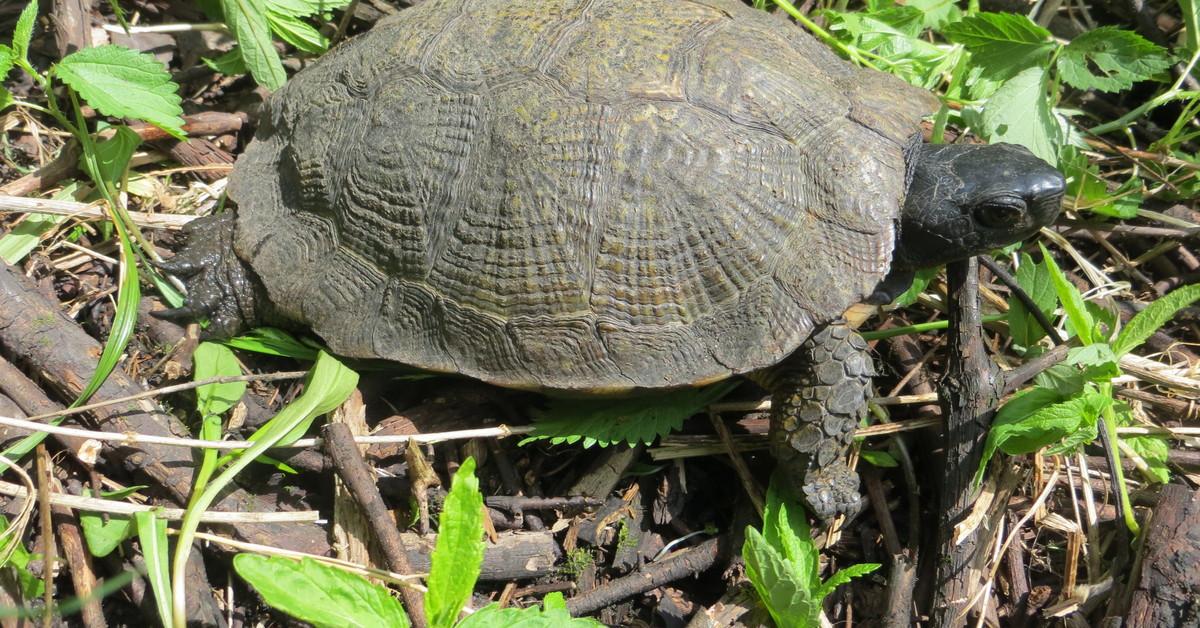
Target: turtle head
<point>966,199</point>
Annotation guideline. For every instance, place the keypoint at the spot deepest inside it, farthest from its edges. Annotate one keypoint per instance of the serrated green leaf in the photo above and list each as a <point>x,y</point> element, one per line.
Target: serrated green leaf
<point>1002,44</point>
<point>297,33</point>
<point>23,32</point>
<point>303,8</point>
<point>152,536</point>
<point>216,360</point>
<point>7,58</point>
<point>842,576</point>
<point>247,19</point>
<point>124,83</point>
<point>1019,113</point>
<point>785,593</point>
<point>458,555</point>
<point>893,33</point>
<point>321,595</point>
<point>632,420</point>
<point>1110,59</point>
<point>937,14</point>
<point>1035,419</point>
<point>1151,319</point>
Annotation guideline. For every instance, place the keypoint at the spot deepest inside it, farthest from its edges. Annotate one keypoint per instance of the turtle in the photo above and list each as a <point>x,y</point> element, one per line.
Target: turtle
<point>603,196</point>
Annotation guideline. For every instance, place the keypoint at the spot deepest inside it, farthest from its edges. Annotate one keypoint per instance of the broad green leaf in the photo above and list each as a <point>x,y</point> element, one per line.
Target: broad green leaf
<point>937,14</point>
<point>16,558</point>
<point>785,528</point>
<point>229,63</point>
<point>248,21</point>
<point>458,555</point>
<point>124,83</point>
<point>297,33</point>
<point>1019,113</point>
<point>1090,191</point>
<point>920,281</point>
<point>113,154</point>
<point>216,360</point>
<point>1110,59</point>
<point>1154,450</point>
<point>23,32</point>
<point>1003,44</point>
<point>104,536</point>
<point>303,8</point>
<point>1035,280</point>
<point>152,536</point>
<point>319,594</point>
<point>1079,320</point>
<point>1151,319</point>
<point>272,341</point>
<point>1018,431</point>
<point>7,57</point>
<point>552,615</point>
<point>893,34</point>
<point>786,594</point>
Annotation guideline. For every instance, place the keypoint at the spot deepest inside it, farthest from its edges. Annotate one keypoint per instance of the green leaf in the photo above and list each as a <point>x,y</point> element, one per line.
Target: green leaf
<point>124,83</point>
<point>319,594</point>
<point>297,33</point>
<point>113,154</point>
<point>248,21</point>
<point>552,615</point>
<point>7,57</point>
<point>1032,420</point>
<point>920,281</point>
<point>845,575</point>
<point>1090,191</point>
<point>21,240</point>
<point>458,555</point>
<point>1019,113</point>
<point>216,360</point>
<point>1002,44</point>
<point>303,8</point>
<point>1154,450</point>
<point>878,458</point>
<point>1110,59</point>
<point>1151,319</point>
<point>152,536</point>
<point>23,32</point>
<point>230,63</point>
<point>786,594</point>
<point>104,536</point>
<point>1035,280</point>
<point>272,341</point>
<point>633,420</point>
<point>937,14</point>
<point>1079,320</point>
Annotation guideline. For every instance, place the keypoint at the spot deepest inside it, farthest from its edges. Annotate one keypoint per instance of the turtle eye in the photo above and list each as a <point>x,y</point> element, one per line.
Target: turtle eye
<point>1001,212</point>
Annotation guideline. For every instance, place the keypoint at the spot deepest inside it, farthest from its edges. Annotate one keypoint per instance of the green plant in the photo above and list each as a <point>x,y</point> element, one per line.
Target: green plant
<point>253,22</point>
<point>1063,410</point>
<point>326,596</point>
<point>782,564</point>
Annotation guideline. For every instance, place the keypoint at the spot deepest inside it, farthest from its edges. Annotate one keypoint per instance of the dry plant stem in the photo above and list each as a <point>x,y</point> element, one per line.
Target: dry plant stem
<point>739,464</point>
<point>49,557</point>
<point>681,565</point>
<point>114,507</point>
<point>1164,592</point>
<point>18,204</point>
<point>79,566</point>
<point>969,394</point>
<point>359,477</point>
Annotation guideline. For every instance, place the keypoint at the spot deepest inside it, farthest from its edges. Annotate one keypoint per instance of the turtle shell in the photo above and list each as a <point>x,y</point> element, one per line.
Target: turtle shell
<point>576,195</point>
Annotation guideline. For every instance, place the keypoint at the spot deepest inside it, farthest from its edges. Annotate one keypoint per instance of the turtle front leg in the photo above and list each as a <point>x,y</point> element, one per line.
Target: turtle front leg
<point>819,396</point>
<point>220,287</point>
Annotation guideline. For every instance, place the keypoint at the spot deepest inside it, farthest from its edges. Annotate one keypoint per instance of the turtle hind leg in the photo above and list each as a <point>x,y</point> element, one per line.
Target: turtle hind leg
<point>819,396</point>
<point>220,287</point>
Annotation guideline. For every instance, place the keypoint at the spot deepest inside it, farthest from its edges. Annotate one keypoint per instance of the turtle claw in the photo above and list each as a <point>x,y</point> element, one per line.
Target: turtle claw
<point>219,285</point>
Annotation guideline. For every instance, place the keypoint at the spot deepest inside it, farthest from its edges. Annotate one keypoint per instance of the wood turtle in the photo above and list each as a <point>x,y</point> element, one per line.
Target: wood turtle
<point>600,196</point>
